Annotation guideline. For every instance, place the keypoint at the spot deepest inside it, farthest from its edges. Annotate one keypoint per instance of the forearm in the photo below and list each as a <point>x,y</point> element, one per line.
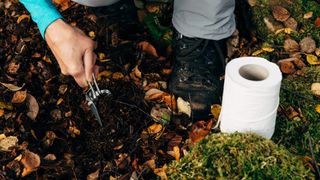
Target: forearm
<point>43,12</point>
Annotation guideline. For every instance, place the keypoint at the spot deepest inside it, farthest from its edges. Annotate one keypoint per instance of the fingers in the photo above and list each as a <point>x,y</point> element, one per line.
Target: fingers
<point>89,60</point>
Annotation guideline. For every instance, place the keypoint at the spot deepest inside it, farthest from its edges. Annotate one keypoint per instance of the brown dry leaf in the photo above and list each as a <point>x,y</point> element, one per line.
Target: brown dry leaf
<point>161,115</point>
<point>148,48</point>
<point>94,175</point>
<point>30,161</point>
<point>166,71</point>
<point>291,112</point>
<point>137,72</point>
<point>151,164</point>
<point>7,143</point>
<point>291,45</point>
<point>291,23</point>
<point>73,130</point>
<point>58,2</point>
<point>287,67</point>
<point>161,172</point>
<point>117,76</point>
<point>299,63</point>
<point>200,130</point>
<point>252,2</point>
<point>312,59</point>
<point>154,8</point>
<point>308,15</point>
<point>175,153</point>
<point>33,107</point>
<point>317,52</point>
<point>317,22</point>
<point>118,147</point>
<point>315,89</point>
<point>170,101</point>
<point>307,45</point>
<point>215,111</point>
<point>19,97</point>
<point>105,74</point>
<point>153,95</point>
<point>280,13</point>
<point>22,17</point>
<point>50,157</point>
<point>63,89</point>
<point>1,112</point>
<point>36,55</point>
<point>183,106</point>
<point>47,59</point>
<point>12,87</point>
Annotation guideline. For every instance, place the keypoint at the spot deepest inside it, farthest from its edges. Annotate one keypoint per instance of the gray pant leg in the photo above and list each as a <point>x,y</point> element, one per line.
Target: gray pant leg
<point>207,19</point>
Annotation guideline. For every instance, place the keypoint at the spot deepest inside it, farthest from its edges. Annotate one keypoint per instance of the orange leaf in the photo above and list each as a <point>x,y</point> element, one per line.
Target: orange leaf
<point>175,153</point>
<point>317,22</point>
<point>30,161</point>
<point>1,112</point>
<point>199,130</point>
<point>170,101</point>
<point>148,48</point>
<point>22,17</point>
<point>19,97</point>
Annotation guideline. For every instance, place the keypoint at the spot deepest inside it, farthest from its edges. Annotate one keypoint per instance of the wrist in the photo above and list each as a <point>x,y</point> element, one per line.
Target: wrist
<point>57,31</point>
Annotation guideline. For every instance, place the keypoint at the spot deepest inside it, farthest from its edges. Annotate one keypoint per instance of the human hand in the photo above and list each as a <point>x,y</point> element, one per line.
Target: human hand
<point>73,51</point>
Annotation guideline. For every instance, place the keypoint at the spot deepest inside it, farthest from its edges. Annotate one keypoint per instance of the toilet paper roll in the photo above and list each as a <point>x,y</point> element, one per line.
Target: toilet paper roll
<point>250,96</point>
<point>96,3</point>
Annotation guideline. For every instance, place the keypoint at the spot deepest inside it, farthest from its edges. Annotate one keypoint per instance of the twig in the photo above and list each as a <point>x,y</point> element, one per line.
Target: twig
<point>313,157</point>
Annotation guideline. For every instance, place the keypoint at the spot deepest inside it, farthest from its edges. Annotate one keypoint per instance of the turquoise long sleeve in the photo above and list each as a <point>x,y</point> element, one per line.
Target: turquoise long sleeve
<point>43,12</point>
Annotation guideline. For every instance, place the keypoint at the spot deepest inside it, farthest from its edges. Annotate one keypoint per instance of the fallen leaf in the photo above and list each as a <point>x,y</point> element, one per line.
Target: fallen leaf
<point>92,34</point>
<point>101,56</point>
<point>161,172</point>
<point>2,136</point>
<point>308,15</point>
<point>73,130</point>
<point>268,49</point>
<point>137,72</point>
<point>317,52</point>
<point>118,147</point>
<point>47,59</point>
<point>7,106</point>
<point>161,115</point>
<point>155,128</point>
<point>166,71</point>
<point>1,112</point>
<point>105,74</point>
<point>50,157</point>
<point>148,48</point>
<point>183,106</point>
<point>7,143</point>
<point>280,13</point>
<point>285,30</point>
<point>299,63</point>
<point>63,89</point>
<point>22,17</point>
<point>30,161</point>
<point>312,59</point>
<point>307,45</point>
<point>287,67</point>
<point>292,113</point>
<point>317,22</point>
<point>12,87</point>
<point>252,2</point>
<point>175,153</point>
<point>200,130</point>
<point>19,97</point>
<point>315,89</point>
<point>117,76</point>
<point>215,111</point>
<point>291,23</point>
<point>58,2</point>
<point>151,164</point>
<point>153,95</point>
<point>33,107</point>
<point>170,101</point>
<point>318,108</point>
<point>94,175</point>
<point>257,52</point>
<point>60,100</point>
<point>291,45</point>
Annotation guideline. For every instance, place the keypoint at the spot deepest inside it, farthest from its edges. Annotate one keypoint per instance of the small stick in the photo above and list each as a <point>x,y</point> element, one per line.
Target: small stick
<point>313,157</point>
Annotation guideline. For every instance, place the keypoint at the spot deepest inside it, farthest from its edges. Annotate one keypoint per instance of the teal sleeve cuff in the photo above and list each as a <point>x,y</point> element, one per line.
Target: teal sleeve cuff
<point>43,12</point>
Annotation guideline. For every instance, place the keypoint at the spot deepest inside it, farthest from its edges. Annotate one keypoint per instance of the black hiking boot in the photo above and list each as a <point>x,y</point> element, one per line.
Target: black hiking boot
<point>197,65</point>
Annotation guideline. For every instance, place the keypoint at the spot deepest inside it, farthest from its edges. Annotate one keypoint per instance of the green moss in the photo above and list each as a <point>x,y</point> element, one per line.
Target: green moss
<point>238,156</point>
<point>297,94</point>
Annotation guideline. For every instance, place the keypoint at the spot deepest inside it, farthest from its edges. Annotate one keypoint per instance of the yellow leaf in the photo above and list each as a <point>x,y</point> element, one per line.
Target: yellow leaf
<point>92,35</point>
<point>104,74</point>
<point>285,30</point>
<point>12,87</point>
<point>47,59</point>
<point>175,153</point>
<point>215,111</point>
<point>104,60</point>
<point>268,49</point>
<point>155,128</point>
<point>101,56</point>
<point>22,17</point>
<point>2,136</point>
<point>161,172</point>
<point>19,97</point>
<point>312,59</point>
<point>318,108</point>
<point>257,52</point>
<point>60,100</point>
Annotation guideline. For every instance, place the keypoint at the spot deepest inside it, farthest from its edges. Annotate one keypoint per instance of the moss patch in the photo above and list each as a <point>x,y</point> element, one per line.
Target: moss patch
<point>238,156</point>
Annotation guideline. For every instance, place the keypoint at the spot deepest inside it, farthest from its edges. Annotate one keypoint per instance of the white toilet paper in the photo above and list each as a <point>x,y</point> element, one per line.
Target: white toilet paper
<point>96,3</point>
<point>250,96</point>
